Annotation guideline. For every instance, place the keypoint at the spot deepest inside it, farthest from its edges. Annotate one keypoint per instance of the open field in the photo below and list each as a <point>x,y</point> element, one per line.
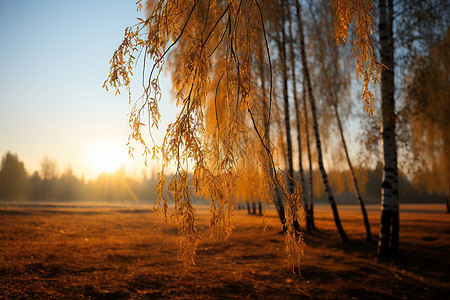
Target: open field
<point>123,252</point>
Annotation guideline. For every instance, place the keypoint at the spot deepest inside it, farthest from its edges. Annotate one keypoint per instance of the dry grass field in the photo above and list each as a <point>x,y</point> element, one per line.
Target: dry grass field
<point>126,252</point>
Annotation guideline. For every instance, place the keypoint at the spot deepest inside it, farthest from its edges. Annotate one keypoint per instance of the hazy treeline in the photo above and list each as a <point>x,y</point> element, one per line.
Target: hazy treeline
<point>370,181</point>
<point>49,185</point>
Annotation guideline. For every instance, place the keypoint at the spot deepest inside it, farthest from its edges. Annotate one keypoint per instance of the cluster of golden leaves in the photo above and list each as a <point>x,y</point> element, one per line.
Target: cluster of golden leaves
<point>367,66</point>
<point>210,47</point>
<point>208,43</point>
<point>295,245</point>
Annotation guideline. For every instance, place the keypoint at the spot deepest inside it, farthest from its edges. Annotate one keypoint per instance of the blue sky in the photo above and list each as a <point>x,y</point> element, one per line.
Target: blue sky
<point>54,57</point>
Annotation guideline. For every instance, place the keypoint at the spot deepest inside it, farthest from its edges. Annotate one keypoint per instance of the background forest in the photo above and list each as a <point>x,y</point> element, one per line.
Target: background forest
<point>50,184</point>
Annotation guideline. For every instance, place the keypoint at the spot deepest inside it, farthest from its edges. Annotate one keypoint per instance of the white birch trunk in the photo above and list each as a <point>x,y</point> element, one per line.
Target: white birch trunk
<point>388,242</point>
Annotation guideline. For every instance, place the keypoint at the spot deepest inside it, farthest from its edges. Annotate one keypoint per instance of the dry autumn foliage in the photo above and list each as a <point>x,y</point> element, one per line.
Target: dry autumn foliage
<point>209,47</point>
<point>367,66</point>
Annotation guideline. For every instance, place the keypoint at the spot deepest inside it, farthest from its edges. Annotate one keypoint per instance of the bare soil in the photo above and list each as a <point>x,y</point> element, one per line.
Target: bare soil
<point>126,252</point>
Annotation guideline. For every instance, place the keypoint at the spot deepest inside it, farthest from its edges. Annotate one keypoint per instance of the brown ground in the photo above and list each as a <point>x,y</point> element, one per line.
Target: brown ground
<point>127,252</point>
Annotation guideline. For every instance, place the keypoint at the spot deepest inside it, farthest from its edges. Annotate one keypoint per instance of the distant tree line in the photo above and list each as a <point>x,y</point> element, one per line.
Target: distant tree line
<point>47,185</point>
<point>370,181</point>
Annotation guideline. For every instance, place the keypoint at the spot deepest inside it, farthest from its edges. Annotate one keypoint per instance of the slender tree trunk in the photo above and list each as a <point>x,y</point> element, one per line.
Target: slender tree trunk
<point>297,114</point>
<point>337,220</point>
<point>388,243</point>
<point>278,201</point>
<point>278,191</point>
<point>287,120</point>
<point>248,208</point>
<point>308,147</point>
<point>352,172</point>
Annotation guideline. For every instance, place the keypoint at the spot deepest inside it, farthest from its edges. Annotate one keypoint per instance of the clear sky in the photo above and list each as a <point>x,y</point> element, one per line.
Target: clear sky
<point>54,57</point>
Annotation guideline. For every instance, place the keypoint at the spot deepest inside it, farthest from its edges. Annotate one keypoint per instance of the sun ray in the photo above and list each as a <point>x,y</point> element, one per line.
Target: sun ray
<point>106,156</point>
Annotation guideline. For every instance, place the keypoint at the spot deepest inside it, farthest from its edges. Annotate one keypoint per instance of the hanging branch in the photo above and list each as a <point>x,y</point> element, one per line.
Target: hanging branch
<point>215,174</point>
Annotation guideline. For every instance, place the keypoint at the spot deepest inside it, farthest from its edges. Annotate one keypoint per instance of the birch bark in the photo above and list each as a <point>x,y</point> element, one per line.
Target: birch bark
<point>388,242</point>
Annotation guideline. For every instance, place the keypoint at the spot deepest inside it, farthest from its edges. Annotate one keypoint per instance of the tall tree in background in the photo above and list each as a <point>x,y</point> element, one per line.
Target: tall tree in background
<point>333,84</point>
<point>264,108</point>
<point>298,117</point>
<point>282,42</point>
<point>48,174</point>
<point>307,78</point>
<point>13,178</point>
<point>352,173</point>
<point>310,215</point>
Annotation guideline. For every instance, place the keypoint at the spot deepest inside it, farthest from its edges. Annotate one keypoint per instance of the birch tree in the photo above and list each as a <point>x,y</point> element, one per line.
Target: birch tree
<point>282,42</point>
<point>310,203</point>
<point>388,244</point>
<point>323,172</point>
<point>333,85</point>
<point>298,117</point>
<point>413,25</point>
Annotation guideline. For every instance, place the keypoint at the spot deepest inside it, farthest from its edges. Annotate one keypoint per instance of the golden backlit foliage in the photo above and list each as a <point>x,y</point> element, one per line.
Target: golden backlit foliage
<point>367,66</point>
<point>212,41</point>
<point>209,47</point>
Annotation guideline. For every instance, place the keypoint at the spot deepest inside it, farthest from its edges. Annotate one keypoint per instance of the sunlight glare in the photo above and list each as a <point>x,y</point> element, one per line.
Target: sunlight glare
<point>107,156</point>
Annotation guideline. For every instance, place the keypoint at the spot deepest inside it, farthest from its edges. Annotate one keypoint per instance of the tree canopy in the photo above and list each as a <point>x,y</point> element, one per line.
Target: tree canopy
<point>210,48</point>
<point>13,178</point>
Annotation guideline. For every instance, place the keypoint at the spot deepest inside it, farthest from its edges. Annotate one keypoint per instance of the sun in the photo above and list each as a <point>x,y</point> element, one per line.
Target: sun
<point>106,156</point>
